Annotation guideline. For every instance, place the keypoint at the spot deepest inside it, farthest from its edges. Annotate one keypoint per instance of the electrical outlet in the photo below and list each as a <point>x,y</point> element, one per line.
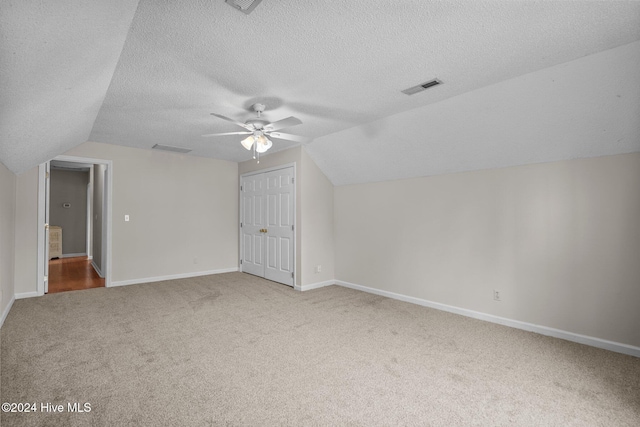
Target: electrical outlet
<point>318,268</point>
<point>126,217</point>
<point>195,260</point>
<point>496,295</point>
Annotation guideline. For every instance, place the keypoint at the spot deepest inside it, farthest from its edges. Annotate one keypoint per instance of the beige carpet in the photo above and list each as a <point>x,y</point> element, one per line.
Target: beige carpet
<point>233,349</point>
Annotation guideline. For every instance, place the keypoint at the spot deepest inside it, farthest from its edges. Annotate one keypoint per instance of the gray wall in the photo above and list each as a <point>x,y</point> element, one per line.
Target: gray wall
<point>559,240</point>
<point>317,229</point>
<point>183,212</point>
<point>70,187</point>
<point>7,235</point>
<point>26,240</point>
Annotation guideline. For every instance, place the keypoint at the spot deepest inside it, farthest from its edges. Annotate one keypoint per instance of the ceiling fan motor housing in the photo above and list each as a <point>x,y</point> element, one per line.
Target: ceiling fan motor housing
<point>256,123</point>
<point>259,108</point>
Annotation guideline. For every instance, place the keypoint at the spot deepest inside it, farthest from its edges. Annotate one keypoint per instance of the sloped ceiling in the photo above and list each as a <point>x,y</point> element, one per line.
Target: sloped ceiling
<point>338,66</point>
<point>57,59</point>
<point>588,107</point>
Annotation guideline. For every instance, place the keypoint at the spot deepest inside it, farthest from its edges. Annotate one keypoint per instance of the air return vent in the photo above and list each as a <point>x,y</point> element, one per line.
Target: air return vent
<point>422,86</point>
<point>170,148</point>
<point>245,6</point>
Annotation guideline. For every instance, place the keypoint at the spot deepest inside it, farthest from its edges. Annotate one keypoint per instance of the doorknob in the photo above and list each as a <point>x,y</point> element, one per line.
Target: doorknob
<point>263,230</point>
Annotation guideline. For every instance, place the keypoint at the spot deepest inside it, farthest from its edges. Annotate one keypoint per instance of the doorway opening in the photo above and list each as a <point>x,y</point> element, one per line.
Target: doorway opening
<point>74,213</point>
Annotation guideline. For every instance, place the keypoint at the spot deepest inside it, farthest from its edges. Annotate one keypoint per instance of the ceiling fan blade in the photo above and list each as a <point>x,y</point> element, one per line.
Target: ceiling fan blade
<point>233,121</point>
<point>284,123</point>
<point>288,137</point>
<point>228,133</point>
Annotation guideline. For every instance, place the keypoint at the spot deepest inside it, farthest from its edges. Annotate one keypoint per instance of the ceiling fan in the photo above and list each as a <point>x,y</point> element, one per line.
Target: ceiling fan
<point>260,131</point>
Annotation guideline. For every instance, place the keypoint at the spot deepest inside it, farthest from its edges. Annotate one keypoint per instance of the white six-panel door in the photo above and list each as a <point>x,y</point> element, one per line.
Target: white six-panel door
<point>251,224</point>
<point>267,225</point>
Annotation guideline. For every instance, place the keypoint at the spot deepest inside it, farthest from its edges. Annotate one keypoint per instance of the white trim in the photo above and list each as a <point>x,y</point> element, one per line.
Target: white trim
<point>107,225</point>
<point>77,159</point>
<point>6,310</point>
<point>95,267</point>
<point>41,232</point>
<point>89,213</point>
<point>47,220</point>
<point>543,330</point>
<point>27,295</point>
<point>172,277</point>
<point>314,285</point>
<point>271,169</point>
<point>72,255</point>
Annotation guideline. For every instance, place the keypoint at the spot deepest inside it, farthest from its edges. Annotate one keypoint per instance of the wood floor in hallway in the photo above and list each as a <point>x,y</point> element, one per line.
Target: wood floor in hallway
<point>72,274</point>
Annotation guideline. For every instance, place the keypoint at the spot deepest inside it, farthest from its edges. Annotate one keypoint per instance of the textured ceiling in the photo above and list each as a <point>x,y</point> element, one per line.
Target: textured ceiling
<point>584,108</point>
<point>339,66</point>
<point>57,60</point>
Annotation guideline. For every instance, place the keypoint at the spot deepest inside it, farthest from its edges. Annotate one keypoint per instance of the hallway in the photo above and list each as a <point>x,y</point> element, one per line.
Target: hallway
<point>71,274</point>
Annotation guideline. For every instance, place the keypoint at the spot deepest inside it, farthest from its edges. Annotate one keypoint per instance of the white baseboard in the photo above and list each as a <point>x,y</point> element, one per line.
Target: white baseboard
<point>27,295</point>
<point>73,255</point>
<point>543,330</point>
<point>95,267</point>
<point>171,277</point>
<point>314,285</point>
<point>5,312</point>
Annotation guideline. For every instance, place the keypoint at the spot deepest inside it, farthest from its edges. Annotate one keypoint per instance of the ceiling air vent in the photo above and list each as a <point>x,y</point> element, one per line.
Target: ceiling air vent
<point>422,86</point>
<point>245,6</point>
<point>170,148</point>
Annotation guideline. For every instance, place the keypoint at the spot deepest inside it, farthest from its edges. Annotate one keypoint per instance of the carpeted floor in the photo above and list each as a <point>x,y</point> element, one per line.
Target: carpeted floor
<point>233,349</point>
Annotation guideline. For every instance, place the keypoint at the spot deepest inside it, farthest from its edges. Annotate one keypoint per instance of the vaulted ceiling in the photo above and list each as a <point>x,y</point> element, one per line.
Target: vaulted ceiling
<point>523,81</point>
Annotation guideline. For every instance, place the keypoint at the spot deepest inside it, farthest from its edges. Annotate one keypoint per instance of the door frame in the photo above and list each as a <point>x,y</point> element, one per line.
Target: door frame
<point>295,214</point>
<point>47,213</point>
<point>89,243</point>
<point>106,223</point>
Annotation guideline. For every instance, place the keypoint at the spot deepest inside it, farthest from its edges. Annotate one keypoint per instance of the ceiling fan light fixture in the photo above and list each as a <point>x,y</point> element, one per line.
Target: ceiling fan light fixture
<point>258,129</point>
<point>263,144</point>
<point>248,142</point>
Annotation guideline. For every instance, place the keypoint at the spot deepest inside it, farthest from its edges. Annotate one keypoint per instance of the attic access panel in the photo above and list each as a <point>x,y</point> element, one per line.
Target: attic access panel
<point>245,6</point>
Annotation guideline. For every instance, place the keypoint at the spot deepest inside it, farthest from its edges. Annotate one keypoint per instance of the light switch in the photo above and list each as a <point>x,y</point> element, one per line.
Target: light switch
<point>126,217</point>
